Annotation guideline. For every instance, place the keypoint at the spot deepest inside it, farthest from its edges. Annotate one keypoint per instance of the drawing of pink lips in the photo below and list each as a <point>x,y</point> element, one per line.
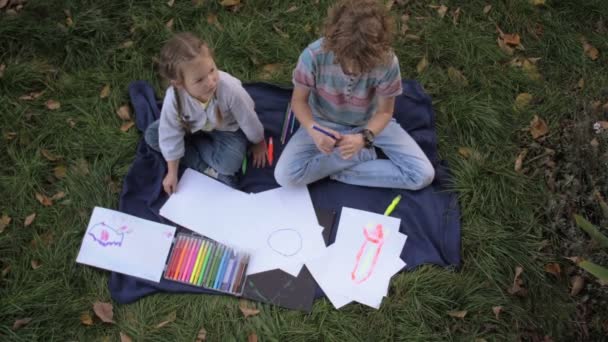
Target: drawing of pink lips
<point>368,254</point>
<point>106,235</point>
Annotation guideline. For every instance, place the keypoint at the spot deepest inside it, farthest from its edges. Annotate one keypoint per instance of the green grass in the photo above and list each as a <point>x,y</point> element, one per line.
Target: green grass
<point>501,228</point>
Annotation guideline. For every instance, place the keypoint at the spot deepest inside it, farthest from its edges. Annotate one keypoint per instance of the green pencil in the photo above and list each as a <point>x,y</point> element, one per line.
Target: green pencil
<point>203,267</point>
<point>209,262</point>
<point>213,269</point>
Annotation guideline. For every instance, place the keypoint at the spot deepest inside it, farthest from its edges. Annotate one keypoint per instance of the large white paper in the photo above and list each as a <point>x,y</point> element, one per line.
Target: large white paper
<point>359,265</point>
<point>126,244</point>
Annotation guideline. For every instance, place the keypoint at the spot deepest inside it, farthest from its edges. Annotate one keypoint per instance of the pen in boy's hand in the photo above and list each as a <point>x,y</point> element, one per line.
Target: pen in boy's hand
<point>324,132</point>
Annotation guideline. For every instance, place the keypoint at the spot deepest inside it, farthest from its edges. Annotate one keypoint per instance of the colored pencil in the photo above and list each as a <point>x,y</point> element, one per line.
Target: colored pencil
<point>190,264</point>
<point>214,264</point>
<point>239,275</point>
<point>270,151</point>
<point>324,132</point>
<point>228,272</point>
<point>182,254</point>
<point>220,269</point>
<point>197,261</point>
<point>205,269</point>
<point>173,258</point>
<point>233,271</point>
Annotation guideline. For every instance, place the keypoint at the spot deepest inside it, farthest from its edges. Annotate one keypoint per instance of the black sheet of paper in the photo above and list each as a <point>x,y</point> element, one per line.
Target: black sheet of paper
<point>280,288</point>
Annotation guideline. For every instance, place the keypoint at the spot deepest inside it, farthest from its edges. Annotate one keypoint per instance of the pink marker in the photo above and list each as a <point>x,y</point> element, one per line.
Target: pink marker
<point>191,257</point>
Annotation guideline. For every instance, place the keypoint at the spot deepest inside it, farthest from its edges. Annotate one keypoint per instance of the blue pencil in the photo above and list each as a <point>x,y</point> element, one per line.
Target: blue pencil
<point>220,272</point>
<point>229,266</point>
<point>237,259</point>
<point>324,132</point>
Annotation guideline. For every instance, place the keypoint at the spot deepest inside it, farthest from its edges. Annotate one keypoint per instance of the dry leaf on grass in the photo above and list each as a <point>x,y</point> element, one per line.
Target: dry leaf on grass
<point>487,9</point>
<point>29,219</point>
<point>44,200</point>
<point>422,65</point>
<point>412,37</point>
<point>457,77</point>
<point>581,83</point>
<point>20,323</point>
<point>458,314</point>
<point>537,2</point>
<point>36,264</point>
<point>202,335</point>
<point>497,310</point>
<point>60,171</point>
<point>127,44</point>
<point>105,91</point>
<point>212,20</point>
<point>49,156</point>
<point>124,337</point>
<point>578,283</point>
<point>229,3</point>
<point>170,3</point>
<point>511,38</point>
<point>519,161</point>
<point>5,220</point>
<point>169,24</point>
<point>2,68</point>
<point>105,311</point>
<point>58,196</point>
<point>127,126</point>
<point>591,51</point>
<point>292,9</point>
<point>522,100</point>
<point>465,152</point>
<point>456,16</point>
<point>5,271</point>
<point>441,10</point>
<point>246,310</point>
<point>31,96</point>
<point>52,104</point>
<point>10,135</point>
<point>71,122</point>
<point>517,289</point>
<point>253,337</point>
<point>86,319</point>
<point>504,47</point>
<point>124,113</point>
<point>269,70</point>
<point>170,318</point>
<point>538,127</point>
<point>553,268</point>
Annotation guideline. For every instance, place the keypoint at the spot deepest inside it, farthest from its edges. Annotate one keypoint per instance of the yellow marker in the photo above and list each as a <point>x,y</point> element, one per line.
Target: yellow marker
<point>392,206</point>
<point>197,264</point>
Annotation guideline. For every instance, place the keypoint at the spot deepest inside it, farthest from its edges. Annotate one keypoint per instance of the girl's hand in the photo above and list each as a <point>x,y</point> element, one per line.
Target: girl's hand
<point>350,144</point>
<point>324,143</point>
<point>259,154</point>
<point>170,183</point>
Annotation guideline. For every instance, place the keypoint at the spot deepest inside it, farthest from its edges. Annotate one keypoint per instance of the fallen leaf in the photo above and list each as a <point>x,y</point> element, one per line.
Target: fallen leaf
<point>553,268</point>
<point>457,77</point>
<point>404,26</point>
<point>6,270</point>
<point>71,122</point>
<point>10,135</point>
<point>458,314</point>
<point>212,20</point>
<point>487,9</point>
<point>28,220</point>
<point>197,2</point>
<point>577,283</point>
<point>522,100</point>
<point>86,319</point>
<point>456,16</point>
<point>269,70</point>
<point>412,37</point>
<point>5,220</point>
<point>504,47</point>
<point>2,68</point>
<point>52,104</point>
<point>575,259</point>
<point>21,322</point>
<point>530,69</point>
<point>516,289</point>
<point>126,44</point>
<point>228,3</point>
<point>44,200</point>
<point>105,91</point>
<point>594,142</point>
<point>465,152</point>
<point>280,32</point>
<point>104,311</point>
<point>538,127</point>
<point>442,11</point>
<point>511,39</point>
<point>169,24</point>
<point>292,9</point>
<point>538,2</point>
<point>35,264</point>
<point>60,171</point>
<point>124,337</point>
<point>581,83</point>
<point>246,310</point>
<point>497,310</point>
<point>590,51</point>
<point>126,126</point>
<point>124,113</point>
<point>519,161</point>
<point>31,96</point>
<point>253,337</point>
<point>202,335</point>
<point>170,318</point>
<point>81,166</point>
<point>68,18</point>
<point>170,3</point>
<point>422,65</point>
<point>48,155</point>
<point>58,196</point>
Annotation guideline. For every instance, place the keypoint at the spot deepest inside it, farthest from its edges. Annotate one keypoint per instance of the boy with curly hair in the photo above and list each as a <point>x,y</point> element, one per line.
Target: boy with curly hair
<point>345,86</point>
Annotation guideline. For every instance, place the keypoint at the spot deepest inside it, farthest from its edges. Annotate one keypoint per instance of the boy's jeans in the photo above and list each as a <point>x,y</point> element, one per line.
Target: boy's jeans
<point>223,151</point>
<point>407,167</point>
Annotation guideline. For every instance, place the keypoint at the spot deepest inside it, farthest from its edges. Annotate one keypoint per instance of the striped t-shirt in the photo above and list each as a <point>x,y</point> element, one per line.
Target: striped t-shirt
<point>342,98</point>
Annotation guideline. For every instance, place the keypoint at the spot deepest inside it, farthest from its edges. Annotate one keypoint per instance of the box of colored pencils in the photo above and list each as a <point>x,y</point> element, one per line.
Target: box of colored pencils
<point>198,261</point>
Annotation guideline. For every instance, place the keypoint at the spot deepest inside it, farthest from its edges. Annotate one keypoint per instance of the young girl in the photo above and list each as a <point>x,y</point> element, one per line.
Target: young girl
<point>207,117</point>
<point>345,86</point>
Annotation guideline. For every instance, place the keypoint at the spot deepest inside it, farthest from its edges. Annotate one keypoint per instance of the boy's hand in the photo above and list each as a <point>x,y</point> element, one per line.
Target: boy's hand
<point>350,144</point>
<point>170,183</point>
<point>259,153</point>
<point>324,143</point>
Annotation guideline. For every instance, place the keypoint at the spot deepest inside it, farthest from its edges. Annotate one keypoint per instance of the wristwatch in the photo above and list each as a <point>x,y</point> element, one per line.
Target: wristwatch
<point>368,138</point>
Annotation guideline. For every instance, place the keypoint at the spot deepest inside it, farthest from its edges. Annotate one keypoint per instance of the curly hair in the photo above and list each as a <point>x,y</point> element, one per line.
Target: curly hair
<point>360,34</point>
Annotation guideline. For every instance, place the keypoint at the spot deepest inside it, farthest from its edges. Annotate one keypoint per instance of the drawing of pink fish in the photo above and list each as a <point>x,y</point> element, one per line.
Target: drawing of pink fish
<point>106,235</point>
<point>368,254</point>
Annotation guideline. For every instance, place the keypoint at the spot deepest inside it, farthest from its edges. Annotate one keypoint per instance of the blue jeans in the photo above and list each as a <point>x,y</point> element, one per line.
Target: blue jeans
<point>221,150</point>
<point>407,167</point>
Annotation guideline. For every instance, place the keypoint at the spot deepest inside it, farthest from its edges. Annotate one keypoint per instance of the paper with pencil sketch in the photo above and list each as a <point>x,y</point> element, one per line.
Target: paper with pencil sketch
<point>278,227</point>
<point>126,244</point>
<point>359,265</point>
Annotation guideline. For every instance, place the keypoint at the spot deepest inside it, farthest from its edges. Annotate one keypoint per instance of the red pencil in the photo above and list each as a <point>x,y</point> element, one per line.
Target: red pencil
<point>174,256</point>
<point>270,151</point>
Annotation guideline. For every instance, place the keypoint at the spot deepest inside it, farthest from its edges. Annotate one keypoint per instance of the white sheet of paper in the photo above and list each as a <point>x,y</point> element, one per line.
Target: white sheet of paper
<point>126,244</point>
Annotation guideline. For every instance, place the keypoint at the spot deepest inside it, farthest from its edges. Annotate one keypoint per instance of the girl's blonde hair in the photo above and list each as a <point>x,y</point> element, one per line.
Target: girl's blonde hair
<point>181,48</point>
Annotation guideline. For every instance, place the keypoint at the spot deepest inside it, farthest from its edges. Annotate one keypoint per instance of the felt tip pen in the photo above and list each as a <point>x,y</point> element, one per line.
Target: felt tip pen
<point>317,128</point>
<point>392,206</point>
<point>270,151</point>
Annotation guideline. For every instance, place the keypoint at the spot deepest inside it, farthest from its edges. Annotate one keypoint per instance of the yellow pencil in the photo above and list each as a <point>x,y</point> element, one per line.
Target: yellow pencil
<point>197,264</point>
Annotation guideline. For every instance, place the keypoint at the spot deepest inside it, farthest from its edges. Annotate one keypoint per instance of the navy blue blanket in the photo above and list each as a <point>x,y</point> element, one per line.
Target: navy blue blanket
<point>429,217</point>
